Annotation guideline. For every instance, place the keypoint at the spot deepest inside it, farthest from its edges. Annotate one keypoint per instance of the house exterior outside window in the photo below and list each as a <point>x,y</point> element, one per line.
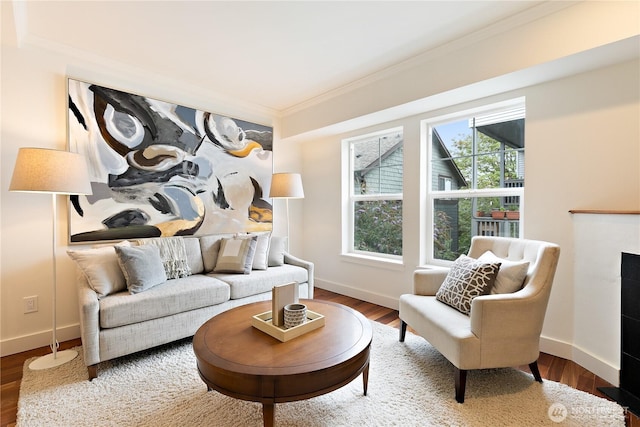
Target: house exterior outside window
<point>375,174</point>
<point>482,153</point>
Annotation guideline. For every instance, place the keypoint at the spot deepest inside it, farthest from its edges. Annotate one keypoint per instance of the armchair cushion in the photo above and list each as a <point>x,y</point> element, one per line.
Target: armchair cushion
<point>467,279</point>
<point>511,275</point>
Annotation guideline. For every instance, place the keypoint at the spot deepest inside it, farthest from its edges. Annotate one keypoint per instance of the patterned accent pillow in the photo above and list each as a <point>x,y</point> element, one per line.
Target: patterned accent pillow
<point>467,279</point>
<point>236,255</point>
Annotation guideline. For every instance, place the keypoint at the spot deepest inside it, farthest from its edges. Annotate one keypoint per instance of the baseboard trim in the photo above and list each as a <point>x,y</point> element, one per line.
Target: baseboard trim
<point>601,368</point>
<point>604,370</point>
<point>37,340</point>
<point>372,297</point>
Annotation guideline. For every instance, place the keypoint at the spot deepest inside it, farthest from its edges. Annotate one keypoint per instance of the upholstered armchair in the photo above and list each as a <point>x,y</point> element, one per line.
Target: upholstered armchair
<point>500,329</point>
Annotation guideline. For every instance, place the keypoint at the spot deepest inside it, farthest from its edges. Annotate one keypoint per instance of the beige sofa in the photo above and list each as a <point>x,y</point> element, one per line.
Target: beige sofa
<point>115,322</point>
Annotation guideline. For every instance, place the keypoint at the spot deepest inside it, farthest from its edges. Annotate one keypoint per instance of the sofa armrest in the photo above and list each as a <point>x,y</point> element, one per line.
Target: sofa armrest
<point>89,320</point>
<point>428,281</point>
<point>308,265</point>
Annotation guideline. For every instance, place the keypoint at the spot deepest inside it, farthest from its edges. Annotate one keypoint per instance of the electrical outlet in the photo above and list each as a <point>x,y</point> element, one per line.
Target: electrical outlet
<point>31,304</point>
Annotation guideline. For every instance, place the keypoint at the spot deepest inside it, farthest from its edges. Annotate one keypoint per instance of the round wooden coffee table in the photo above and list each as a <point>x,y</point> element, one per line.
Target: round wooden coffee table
<point>240,361</point>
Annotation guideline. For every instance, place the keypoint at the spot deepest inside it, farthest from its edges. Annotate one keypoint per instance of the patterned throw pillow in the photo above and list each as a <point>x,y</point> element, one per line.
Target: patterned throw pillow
<point>467,279</point>
<point>236,255</point>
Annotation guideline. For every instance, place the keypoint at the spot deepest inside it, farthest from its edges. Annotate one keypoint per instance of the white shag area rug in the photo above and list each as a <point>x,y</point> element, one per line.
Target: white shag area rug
<point>410,384</point>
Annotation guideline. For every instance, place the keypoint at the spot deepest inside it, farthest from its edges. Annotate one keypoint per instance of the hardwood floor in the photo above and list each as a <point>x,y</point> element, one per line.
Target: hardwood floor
<point>551,367</point>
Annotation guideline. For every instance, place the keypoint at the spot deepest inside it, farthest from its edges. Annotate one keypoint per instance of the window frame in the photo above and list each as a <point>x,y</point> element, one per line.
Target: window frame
<point>350,199</point>
<point>431,194</point>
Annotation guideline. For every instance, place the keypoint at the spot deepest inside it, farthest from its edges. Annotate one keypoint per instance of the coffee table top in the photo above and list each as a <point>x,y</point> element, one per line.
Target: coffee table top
<point>229,342</point>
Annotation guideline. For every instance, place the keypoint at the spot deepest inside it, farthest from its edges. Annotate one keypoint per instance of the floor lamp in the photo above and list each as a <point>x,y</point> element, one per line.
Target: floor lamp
<point>286,186</point>
<point>40,170</point>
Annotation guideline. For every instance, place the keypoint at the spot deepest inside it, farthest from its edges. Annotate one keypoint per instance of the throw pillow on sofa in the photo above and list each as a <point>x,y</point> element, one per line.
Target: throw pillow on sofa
<point>236,255</point>
<point>173,254</point>
<point>510,276</point>
<point>101,269</point>
<point>210,248</point>
<point>277,248</point>
<point>142,267</point>
<point>468,278</point>
<point>261,256</point>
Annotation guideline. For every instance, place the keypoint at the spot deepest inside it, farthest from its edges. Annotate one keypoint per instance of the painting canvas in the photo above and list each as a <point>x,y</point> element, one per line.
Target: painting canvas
<point>162,169</point>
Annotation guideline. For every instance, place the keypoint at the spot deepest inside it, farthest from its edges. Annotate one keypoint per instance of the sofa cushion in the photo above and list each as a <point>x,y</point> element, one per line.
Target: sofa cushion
<point>236,254</point>
<point>467,279</point>
<point>142,267</point>
<point>101,269</point>
<point>510,276</point>
<point>260,281</point>
<point>171,297</point>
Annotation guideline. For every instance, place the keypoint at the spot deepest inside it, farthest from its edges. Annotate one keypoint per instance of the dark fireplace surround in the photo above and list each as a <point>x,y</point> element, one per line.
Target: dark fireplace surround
<point>628,394</point>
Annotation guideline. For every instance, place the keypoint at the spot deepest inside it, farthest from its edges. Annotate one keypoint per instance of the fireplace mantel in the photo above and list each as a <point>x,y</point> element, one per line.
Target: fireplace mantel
<point>604,212</point>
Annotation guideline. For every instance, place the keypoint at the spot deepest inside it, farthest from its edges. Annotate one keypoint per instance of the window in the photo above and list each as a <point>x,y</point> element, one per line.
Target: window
<point>375,193</point>
<point>476,164</point>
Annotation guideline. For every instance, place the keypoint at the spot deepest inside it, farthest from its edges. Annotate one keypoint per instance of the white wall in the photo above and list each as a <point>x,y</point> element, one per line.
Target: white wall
<point>583,151</point>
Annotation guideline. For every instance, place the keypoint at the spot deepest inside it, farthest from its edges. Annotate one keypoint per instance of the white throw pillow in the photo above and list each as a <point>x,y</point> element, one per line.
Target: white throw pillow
<point>261,256</point>
<point>468,278</point>
<point>511,275</point>
<point>100,267</point>
<point>277,249</point>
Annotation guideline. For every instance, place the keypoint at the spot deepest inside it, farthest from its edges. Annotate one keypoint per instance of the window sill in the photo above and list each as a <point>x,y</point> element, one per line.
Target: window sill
<point>380,262</point>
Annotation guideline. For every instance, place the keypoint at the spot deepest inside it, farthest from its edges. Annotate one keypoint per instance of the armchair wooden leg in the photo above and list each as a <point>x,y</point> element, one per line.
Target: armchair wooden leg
<point>461,382</point>
<point>535,371</point>
<point>403,330</point>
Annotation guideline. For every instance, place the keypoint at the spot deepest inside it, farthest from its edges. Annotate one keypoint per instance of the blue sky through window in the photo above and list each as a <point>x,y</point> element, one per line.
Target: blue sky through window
<point>452,131</point>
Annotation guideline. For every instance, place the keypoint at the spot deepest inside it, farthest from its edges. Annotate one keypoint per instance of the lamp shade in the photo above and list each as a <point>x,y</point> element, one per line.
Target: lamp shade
<point>42,170</point>
<point>286,186</point>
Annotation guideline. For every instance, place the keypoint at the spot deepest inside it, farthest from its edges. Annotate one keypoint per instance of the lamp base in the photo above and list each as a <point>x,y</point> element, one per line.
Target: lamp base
<point>48,361</point>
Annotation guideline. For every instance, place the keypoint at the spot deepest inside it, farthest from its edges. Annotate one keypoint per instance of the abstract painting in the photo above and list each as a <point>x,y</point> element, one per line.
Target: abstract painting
<point>162,169</point>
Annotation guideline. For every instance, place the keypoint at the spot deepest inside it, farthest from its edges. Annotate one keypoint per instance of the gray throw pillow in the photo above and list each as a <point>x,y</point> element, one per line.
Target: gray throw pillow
<point>467,279</point>
<point>142,267</point>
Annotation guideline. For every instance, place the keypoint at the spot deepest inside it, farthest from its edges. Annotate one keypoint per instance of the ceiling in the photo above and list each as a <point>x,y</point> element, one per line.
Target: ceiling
<point>275,55</point>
